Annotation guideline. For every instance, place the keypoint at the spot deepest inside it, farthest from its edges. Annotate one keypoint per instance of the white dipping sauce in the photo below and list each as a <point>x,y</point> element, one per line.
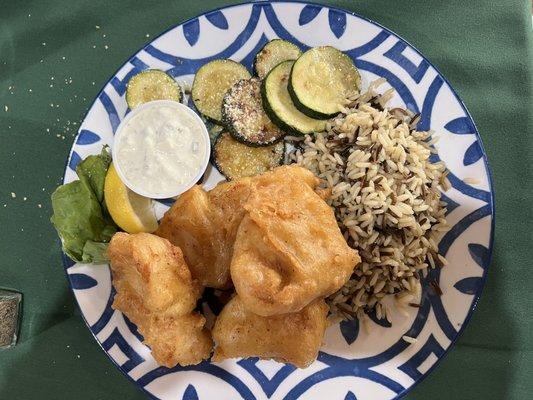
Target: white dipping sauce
<point>160,149</point>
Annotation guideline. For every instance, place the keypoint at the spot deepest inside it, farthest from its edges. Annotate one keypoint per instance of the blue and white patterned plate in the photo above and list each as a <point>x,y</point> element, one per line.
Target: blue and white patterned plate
<point>373,363</point>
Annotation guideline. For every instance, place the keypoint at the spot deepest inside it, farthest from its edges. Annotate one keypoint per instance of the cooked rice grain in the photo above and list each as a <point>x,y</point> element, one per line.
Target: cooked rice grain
<point>409,339</point>
<point>386,196</point>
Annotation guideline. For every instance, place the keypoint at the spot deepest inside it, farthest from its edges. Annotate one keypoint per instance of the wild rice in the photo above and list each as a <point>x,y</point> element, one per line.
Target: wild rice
<point>471,181</point>
<point>386,197</point>
<point>409,339</point>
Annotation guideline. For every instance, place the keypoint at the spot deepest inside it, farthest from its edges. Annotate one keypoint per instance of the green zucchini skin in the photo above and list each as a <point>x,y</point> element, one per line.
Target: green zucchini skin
<point>302,108</point>
<point>244,117</point>
<point>282,111</point>
<point>250,155</point>
<point>152,84</point>
<point>331,73</point>
<point>214,131</point>
<point>211,82</point>
<point>273,53</point>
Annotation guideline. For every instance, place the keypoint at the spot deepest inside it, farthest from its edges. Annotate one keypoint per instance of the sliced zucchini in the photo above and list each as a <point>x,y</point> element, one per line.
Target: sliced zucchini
<point>272,53</point>
<point>211,83</point>
<point>279,106</point>
<point>214,131</point>
<point>236,160</point>
<point>150,85</point>
<point>244,116</point>
<point>321,80</point>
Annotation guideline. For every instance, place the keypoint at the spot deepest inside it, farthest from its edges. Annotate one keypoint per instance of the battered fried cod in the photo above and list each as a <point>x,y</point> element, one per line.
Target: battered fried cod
<point>289,249</point>
<point>274,233</point>
<point>204,225</point>
<point>189,225</point>
<point>156,292</point>
<point>291,338</point>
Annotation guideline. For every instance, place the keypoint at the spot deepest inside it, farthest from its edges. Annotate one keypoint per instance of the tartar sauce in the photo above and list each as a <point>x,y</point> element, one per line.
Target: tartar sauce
<point>160,149</point>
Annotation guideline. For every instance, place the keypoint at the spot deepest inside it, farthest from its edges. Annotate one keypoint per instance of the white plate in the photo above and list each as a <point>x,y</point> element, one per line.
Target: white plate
<point>354,363</point>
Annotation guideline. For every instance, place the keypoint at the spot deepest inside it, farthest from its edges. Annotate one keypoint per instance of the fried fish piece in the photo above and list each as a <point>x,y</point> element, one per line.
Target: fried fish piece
<point>156,292</point>
<point>204,224</point>
<point>189,224</point>
<point>290,338</point>
<point>289,249</point>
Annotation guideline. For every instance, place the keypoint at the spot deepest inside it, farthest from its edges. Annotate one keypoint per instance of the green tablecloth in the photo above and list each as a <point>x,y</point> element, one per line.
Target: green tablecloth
<point>52,63</point>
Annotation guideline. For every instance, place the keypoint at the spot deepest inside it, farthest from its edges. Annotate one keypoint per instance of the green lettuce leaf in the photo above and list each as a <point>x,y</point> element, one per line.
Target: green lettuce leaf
<point>82,222</point>
<point>95,252</point>
<point>92,172</point>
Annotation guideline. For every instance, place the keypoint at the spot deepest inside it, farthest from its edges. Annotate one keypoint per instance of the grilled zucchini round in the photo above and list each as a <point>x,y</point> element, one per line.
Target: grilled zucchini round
<point>273,53</point>
<point>214,131</point>
<point>244,116</point>
<point>279,106</point>
<point>321,80</point>
<point>236,160</point>
<point>211,82</point>
<point>150,85</point>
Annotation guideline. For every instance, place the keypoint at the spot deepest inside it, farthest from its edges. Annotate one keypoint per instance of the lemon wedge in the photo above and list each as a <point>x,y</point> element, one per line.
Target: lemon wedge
<point>130,211</point>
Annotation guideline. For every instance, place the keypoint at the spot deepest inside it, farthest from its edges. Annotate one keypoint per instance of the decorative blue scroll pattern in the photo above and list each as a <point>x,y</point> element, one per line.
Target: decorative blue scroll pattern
<point>269,386</point>
<point>116,339</point>
<point>432,346</point>
<point>75,159</point>
<point>218,19</point>
<point>349,330</point>
<point>396,52</point>
<point>308,14</point>
<point>82,281</point>
<point>87,137</point>
<point>190,393</point>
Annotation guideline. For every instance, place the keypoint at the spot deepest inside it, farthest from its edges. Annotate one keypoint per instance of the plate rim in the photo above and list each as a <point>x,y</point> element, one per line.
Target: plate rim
<point>479,139</point>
